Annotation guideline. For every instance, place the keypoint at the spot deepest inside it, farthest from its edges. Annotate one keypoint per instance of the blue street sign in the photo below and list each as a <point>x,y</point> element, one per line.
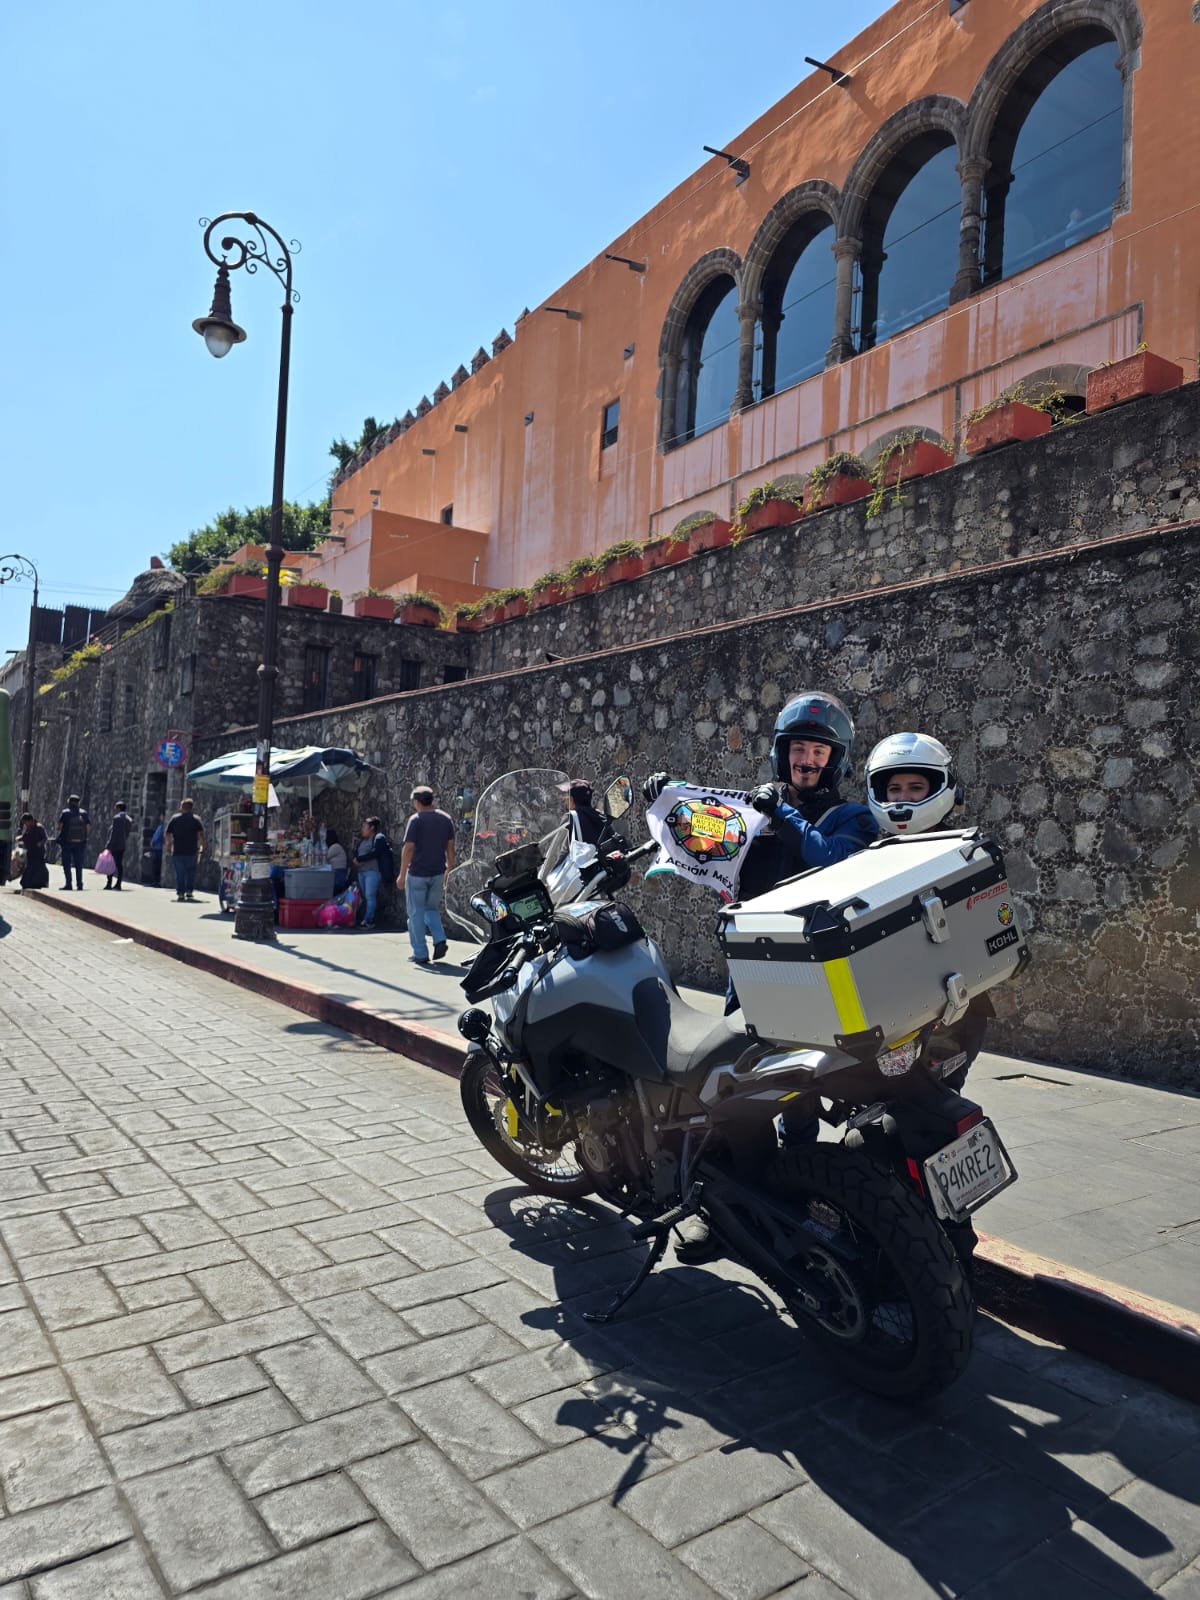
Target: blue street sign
<point>170,753</point>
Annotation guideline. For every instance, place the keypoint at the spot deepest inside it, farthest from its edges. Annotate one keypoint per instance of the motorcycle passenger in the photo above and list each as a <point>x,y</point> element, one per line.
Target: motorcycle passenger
<point>810,826</point>
<point>587,824</point>
<point>912,787</point>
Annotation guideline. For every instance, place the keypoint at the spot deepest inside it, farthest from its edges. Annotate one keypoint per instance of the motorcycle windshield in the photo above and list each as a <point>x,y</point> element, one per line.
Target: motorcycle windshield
<point>522,807</point>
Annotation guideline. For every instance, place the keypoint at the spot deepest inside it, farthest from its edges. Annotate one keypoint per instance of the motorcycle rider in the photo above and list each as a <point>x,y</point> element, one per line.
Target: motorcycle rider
<point>810,826</point>
<point>912,787</point>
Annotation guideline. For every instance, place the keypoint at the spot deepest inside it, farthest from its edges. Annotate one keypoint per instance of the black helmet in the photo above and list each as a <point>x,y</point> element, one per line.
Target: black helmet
<point>814,716</point>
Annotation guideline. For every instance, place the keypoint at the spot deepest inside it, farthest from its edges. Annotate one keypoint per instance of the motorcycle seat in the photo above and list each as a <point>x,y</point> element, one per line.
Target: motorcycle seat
<point>696,1040</point>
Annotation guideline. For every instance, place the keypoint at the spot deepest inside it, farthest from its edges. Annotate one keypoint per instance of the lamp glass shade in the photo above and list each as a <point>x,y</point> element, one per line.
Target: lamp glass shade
<point>218,336</point>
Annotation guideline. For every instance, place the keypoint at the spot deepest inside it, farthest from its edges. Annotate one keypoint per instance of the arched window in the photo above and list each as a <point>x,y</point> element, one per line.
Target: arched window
<point>708,367</point>
<point>910,239</point>
<point>798,297</point>
<point>1055,154</point>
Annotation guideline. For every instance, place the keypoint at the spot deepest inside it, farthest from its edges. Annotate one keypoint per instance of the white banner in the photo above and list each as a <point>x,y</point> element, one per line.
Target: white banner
<point>703,835</point>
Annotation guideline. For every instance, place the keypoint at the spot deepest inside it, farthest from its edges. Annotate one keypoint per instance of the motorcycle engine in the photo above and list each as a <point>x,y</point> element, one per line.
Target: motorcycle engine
<point>610,1150</point>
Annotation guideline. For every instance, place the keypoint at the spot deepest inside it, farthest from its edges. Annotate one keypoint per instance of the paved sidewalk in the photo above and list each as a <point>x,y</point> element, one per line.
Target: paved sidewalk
<point>1109,1169</point>
<point>272,1324</point>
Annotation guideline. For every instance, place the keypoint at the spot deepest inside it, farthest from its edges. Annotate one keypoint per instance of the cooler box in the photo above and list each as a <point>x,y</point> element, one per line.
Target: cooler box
<point>864,952</point>
<point>308,883</point>
<point>299,913</point>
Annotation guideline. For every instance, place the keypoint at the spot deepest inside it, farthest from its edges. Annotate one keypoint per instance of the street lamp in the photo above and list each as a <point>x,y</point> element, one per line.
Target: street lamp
<point>255,914</point>
<point>25,568</point>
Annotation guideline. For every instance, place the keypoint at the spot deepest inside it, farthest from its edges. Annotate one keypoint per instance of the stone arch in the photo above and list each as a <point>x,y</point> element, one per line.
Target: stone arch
<point>1120,18</point>
<point>877,446</point>
<point>936,113</point>
<point>814,195</point>
<point>715,264</point>
<point>1068,378</point>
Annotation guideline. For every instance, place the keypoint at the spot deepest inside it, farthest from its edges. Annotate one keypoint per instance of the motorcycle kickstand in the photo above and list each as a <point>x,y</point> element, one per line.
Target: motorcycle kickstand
<point>660,1231</point>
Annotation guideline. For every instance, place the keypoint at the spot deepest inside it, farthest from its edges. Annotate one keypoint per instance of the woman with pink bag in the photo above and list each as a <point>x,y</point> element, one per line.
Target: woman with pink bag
<point>112,857</point>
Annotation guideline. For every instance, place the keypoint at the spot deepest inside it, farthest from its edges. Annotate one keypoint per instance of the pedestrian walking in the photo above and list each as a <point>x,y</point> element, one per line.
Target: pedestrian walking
<point>74,825</point>
<point>185,846</point>
<point>158,840</point>
<point>34,874</point>
<point>118,837</point>
<point>427,855</point>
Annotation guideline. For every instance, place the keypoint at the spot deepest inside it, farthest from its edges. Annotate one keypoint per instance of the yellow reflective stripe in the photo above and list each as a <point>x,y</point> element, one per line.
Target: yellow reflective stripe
<point>510,1119</point>
<point>845,996</point>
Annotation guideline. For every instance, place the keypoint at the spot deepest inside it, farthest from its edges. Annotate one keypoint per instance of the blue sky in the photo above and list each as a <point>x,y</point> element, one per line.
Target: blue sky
<point>443,165</point>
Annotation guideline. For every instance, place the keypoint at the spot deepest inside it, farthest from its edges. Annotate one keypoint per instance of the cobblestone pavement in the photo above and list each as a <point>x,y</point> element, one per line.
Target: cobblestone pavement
<point>271,1324</point>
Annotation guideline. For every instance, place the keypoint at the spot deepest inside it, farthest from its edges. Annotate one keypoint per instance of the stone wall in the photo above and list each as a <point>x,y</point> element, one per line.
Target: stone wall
<point>1124,469</point>
<point>1066,685</point>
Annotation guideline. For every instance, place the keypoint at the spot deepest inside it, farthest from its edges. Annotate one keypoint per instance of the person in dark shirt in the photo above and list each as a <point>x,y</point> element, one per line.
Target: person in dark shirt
<point>34,874</point>
<point>587,824</point>
<point>427,855</point>
<point>118,837</point>
<point>185,846</point>
<point>73,828</point>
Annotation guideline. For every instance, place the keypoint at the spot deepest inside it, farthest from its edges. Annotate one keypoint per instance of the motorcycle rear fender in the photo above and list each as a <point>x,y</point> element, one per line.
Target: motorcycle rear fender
<point>916,1126</point>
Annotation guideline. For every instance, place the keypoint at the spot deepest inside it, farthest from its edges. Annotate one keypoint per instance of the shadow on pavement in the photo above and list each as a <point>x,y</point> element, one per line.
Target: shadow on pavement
<point>1013,1468</point>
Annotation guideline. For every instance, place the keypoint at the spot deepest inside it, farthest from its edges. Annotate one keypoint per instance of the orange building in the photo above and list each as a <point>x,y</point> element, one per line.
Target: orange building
<point>983,191</point>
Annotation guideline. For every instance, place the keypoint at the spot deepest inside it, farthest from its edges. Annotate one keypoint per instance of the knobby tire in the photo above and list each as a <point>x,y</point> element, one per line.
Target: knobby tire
<point>480,1111</point>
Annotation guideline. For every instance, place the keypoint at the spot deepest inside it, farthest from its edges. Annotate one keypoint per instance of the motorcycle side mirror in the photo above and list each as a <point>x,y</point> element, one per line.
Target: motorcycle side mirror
<point>618,798</point>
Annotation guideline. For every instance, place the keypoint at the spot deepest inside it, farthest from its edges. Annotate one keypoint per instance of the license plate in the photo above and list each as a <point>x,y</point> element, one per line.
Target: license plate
<point>965,1174</point>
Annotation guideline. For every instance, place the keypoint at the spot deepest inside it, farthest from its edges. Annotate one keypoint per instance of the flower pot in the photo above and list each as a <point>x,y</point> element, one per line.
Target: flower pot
<point>1004,425</point>
<point>469,624</point>
<point>917,460</point>
<point>420,615</point>
<point>1144,373</point>
<point>514,608</point>
<point>247,586</point>
<point>624,569</point>
<point>551,595</point>
<point>665,553</point>
<point>709,536</point>
<point>587,583</point>
<point>490,615</point>
<point>772,514</point>
<point>313,596</point>
<point>838,490</point>
<point>381,606</point>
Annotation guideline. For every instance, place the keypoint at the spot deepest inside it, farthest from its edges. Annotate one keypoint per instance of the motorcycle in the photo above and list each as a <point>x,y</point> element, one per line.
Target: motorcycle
<point>592,1076</point>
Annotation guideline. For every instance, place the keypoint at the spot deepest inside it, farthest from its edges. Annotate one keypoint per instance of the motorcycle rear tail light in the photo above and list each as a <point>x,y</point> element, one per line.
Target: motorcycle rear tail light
<point>914,1172</point>
<point>971,1120</point>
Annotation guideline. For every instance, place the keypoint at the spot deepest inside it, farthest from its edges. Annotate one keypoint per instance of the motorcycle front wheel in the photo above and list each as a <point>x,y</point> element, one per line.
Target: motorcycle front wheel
<point>485,1098</point>
<point>899,1314</point>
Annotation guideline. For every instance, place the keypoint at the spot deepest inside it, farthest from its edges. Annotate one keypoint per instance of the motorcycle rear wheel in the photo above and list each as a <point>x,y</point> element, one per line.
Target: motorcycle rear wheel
<point>484,1095</point>
<point>901,1315</point>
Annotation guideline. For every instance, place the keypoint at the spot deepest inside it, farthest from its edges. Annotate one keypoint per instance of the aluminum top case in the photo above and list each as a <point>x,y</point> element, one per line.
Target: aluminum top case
<point>860,954</point>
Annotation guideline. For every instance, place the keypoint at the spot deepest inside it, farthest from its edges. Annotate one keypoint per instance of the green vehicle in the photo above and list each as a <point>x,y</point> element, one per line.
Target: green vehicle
<point>8,821</point>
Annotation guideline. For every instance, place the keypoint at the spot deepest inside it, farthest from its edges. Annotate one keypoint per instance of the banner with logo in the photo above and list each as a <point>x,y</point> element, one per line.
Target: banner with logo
<point>703,835</point>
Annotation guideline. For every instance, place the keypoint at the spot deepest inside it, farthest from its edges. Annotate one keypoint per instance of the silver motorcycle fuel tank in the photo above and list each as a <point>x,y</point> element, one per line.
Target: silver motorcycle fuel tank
<point>590,1004</point>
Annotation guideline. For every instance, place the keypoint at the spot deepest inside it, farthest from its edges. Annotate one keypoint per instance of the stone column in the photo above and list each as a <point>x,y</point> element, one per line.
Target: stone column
<point>669,389</point>
<point>972,170</point>
<point>845,252</point>
<point>748,314</point>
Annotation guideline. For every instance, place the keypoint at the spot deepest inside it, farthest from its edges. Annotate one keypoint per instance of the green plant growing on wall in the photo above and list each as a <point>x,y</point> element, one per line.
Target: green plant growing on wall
<point>842,461</point>
<point>616,552</point>
<point>698,519</point>
<point>581,567</point>
<point>548,580</point>
<point>91,651</point>
<point>148,622</point>
<point>895,447</point>
<point>787,488</point>
<point>1051,401</point>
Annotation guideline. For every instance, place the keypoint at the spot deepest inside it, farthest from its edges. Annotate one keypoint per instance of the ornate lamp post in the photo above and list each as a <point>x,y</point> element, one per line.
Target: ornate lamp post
<point>255,915</point>
<point>16,566</point>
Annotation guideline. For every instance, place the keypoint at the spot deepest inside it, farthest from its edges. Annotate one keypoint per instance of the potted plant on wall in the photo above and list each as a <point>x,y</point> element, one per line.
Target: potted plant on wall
<point>468,617</point>
<point>1142,373</point>
<point>420,609</point>
<point>836,481</point>
<point>244,579</point>
<point>1008,418</point>
<point>312,596</point>
<point>704,530</point>
<point>771,505</point>
<point>548,590</point>
<point>665,551</point>
<point>374,603</point>
<point>620,562</point>
<point>582,576</point>
<point>909,454</point>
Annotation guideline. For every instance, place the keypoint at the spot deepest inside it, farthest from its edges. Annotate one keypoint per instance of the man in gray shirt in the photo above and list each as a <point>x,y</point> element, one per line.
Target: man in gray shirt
<point>427,855</point>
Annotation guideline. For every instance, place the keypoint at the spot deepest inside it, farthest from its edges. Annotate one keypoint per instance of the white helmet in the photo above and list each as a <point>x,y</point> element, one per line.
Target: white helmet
<point>912,752</point>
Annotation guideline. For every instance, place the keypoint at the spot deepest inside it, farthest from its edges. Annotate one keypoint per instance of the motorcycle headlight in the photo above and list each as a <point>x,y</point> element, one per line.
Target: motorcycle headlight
<point>895,1061</point>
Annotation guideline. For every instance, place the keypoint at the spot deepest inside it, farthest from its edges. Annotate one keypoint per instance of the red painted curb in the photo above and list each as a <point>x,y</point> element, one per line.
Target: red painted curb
<point>1134,1333</point>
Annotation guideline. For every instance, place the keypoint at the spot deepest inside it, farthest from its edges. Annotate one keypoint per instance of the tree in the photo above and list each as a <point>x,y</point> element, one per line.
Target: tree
<point>303,529</point>
<point>344,452</point>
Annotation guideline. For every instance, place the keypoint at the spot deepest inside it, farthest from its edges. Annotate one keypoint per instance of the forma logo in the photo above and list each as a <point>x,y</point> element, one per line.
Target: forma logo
<point>988,894</point>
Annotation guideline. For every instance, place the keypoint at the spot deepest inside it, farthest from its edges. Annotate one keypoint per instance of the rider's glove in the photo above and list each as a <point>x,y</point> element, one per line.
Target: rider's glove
<point>654,786</point>
<point>765,798</point>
